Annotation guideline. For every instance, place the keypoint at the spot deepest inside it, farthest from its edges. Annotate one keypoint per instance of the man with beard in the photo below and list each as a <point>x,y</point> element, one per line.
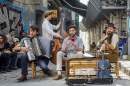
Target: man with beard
<point>72,47</point>
<point>42,63</point>
<point>111,44</point>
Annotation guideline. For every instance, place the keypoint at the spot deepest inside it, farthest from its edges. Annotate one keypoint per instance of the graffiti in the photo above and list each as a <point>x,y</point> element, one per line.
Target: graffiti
<point>10,17</point>
<point>31,23</point>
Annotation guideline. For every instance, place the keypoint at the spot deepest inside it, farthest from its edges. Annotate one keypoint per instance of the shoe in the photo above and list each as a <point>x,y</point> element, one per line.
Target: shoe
<point>57,77</point>
<point>13,68</point>
<point>7,69</point>
<point>49,73</point>
<point>2,71</point>
<point>22,78</point>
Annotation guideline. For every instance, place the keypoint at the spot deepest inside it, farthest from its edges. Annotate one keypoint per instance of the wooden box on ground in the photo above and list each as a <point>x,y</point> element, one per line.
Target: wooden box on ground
<point>82,70</point>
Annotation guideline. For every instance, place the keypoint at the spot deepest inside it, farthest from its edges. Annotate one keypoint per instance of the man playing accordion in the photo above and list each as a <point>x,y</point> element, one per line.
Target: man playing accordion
<point>42,63</point>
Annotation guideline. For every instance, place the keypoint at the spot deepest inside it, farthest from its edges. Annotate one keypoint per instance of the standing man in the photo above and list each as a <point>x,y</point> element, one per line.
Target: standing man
<point>10,36</point>
<point>111,44</point>
<point>72,46</point>
<point>47,27</point>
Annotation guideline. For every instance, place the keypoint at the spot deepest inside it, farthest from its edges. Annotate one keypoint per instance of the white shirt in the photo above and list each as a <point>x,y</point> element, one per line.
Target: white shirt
<point>10,38</point>
<point>47,29</point>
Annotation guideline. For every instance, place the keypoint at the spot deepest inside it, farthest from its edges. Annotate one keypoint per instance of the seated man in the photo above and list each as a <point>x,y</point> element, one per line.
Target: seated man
<point>10,36</point>
<point>111,44</point>
<point>72,46</point>
<point>42,63</point>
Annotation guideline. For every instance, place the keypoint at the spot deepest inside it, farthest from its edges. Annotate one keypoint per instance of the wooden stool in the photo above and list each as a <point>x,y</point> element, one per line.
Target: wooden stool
<point>116,70</point>
<point>33,66</point>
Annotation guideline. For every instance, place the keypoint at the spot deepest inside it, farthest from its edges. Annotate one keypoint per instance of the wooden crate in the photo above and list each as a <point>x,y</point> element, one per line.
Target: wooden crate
<point>81,64</point>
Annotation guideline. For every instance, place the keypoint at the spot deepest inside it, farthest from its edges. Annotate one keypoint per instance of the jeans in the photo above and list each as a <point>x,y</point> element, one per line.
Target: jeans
<point>14,59</point>
<point>42,63</point>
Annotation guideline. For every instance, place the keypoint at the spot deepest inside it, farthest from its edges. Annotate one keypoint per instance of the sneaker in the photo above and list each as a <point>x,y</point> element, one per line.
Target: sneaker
<point>22,78</point>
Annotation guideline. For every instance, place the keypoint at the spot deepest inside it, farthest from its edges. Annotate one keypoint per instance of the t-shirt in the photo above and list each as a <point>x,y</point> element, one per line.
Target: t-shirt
<point>10,38</point>
<point>6,46</point>
<point>22,41</point>
<point>11,48</point>
<point>20,38</point>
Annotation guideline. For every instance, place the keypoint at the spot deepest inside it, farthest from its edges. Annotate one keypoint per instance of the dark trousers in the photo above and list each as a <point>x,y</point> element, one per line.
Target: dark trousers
<point>14,59</point>
<point>7,60</point>
<point>4,61</point>
<point>43,64</point>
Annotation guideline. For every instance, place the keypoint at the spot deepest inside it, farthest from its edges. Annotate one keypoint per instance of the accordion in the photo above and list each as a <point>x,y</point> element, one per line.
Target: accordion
<point>35,48</point>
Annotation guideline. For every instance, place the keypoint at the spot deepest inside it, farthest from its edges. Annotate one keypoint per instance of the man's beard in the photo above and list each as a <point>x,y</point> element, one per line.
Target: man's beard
<point>110,33</point>
<point>73,35</point>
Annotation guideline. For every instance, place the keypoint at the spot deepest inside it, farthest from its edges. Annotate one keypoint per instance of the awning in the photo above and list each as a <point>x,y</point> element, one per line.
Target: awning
<point>75,6</point>
<point>97,12</point>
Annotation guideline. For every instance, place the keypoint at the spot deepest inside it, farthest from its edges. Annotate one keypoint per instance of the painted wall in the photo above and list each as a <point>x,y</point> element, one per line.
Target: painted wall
<point>10,17</point>
<point>29,13</point>
<point>18,15</point>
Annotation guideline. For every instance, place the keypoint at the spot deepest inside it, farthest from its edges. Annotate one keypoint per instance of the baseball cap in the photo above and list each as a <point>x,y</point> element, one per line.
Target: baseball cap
<point>47,12</point>
<point>15,40</point>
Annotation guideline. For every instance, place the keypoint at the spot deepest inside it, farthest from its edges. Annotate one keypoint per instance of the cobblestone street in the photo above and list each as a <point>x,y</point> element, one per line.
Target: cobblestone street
<point>9,79</point>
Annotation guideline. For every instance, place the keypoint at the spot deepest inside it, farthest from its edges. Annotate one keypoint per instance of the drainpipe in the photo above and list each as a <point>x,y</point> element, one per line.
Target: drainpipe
<point>77,22</point>
<point>128,28</point>
<point>120,22</point>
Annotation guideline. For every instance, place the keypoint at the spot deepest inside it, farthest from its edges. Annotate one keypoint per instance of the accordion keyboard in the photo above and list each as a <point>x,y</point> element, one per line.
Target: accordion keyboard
<point>36,47</point>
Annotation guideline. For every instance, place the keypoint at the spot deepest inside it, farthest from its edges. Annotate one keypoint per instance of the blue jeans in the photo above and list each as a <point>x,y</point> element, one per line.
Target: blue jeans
<point>42,63</point>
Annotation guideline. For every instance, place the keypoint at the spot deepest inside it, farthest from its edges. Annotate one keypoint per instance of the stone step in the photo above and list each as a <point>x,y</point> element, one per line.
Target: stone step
<point>125,66</point>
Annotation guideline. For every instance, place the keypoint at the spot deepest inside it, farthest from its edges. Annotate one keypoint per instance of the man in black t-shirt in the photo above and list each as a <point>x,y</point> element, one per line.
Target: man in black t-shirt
<point>22,35</point>
<point>5,55</point>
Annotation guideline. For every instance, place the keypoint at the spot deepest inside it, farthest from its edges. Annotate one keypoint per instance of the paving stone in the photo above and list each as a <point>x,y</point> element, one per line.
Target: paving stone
<point>9,79</point>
